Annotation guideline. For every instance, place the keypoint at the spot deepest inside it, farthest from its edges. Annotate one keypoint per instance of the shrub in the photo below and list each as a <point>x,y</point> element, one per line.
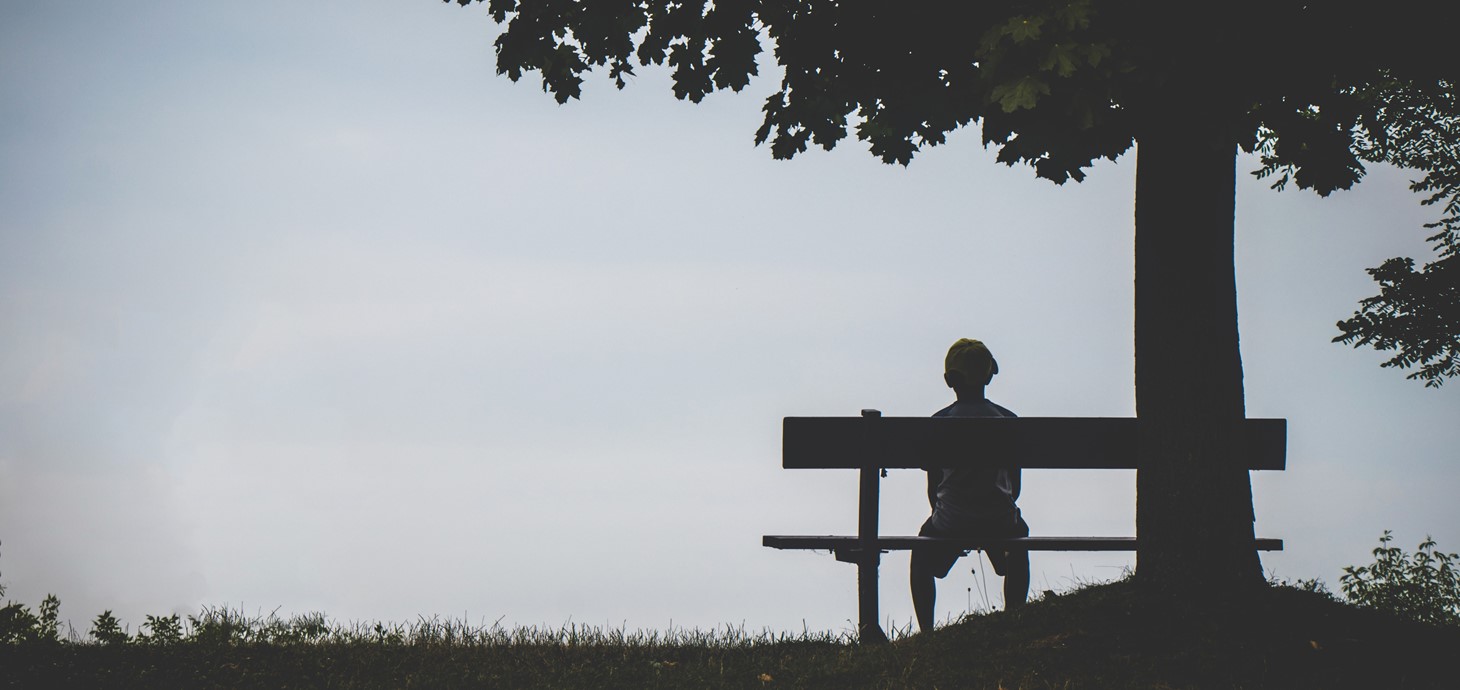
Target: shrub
<point>48,625</point>
<point>161,630</point>
<point>106,629</point>
<point>18,624</point>
<point>1423,587</point>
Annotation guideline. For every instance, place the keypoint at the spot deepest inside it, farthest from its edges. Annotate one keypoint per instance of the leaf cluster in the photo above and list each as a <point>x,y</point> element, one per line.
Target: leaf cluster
<point>1423,587</point>
<point>1416,314</point>
<point>1055,84</point>
<point>107,630</point>
<point>19,626</point>
<point>898,76</point>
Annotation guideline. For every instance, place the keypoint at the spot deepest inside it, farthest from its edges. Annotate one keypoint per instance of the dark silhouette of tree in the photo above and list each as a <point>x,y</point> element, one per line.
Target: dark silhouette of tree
<point>1317,89</point>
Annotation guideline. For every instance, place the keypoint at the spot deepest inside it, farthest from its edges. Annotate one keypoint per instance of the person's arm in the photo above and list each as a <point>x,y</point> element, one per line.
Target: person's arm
<point>933,487</point>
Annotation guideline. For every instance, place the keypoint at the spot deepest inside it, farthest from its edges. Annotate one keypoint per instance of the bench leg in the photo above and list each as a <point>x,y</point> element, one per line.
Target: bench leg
<point>868,629</point>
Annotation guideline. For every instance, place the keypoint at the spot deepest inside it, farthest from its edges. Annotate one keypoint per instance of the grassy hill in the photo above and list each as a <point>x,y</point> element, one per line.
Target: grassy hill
<point>1103,636</point>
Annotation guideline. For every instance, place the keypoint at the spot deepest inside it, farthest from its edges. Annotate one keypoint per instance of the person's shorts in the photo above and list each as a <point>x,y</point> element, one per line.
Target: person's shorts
<point>938,559</point>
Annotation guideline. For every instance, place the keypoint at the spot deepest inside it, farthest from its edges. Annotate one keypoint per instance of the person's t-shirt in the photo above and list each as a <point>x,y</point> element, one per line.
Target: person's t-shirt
<point>968,496</point>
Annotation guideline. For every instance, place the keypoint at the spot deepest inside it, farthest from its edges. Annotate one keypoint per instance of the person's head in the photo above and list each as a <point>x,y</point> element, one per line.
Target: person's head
<point>969,366</point>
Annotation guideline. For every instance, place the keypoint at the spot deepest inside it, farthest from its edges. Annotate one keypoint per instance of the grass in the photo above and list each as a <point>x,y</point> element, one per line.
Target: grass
<point>1102,636</point>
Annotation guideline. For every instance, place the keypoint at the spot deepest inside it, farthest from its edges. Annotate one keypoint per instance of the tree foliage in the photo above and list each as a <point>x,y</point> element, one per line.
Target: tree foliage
<point>1417,312</point>
<point>1316,89</point>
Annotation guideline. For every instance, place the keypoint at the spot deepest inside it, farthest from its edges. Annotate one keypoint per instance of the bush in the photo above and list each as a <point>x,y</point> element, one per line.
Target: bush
<point>1423,587</point>
<point>107,630</point>
<point>17,624</point>
<point>49,627</point>
<point>161,630</point>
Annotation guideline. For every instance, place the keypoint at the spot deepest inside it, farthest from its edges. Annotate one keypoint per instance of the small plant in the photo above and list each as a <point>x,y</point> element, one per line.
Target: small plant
<point>220,626</point>
<point>18,624</point>
<point>1423,587</point>
<point>395,634</point>
<point>161,630</point>
<point>1311,585</point>
<point>48,627</point>
<point>107,630</point>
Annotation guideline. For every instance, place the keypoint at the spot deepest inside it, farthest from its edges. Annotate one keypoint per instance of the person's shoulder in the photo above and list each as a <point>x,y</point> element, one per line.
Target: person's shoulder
<point>981,408</point>
<point>1004,411</point>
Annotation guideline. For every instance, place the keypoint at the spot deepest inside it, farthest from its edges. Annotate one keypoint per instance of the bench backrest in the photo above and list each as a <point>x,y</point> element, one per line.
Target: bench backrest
<point>1029,442</point>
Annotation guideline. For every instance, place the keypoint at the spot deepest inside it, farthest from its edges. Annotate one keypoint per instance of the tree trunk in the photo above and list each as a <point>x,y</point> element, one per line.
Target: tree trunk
<point>1194,499</point>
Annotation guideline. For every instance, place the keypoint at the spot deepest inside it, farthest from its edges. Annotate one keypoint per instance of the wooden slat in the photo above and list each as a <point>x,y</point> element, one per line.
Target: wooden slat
<point>1029,442</point>
<point>830,542</point>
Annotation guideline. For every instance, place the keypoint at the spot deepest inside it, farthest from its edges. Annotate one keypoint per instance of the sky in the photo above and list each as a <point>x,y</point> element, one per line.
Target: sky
<point>303,308</point>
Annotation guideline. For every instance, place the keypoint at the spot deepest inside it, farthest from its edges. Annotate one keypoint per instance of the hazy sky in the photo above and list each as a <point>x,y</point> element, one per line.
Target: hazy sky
<point>303,308</point>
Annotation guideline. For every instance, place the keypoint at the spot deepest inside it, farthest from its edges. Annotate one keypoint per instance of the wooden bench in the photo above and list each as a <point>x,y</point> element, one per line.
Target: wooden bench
<point>873,443</point>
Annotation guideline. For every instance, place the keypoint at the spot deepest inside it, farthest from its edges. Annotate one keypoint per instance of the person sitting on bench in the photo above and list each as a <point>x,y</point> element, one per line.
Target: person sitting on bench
<point>977,503</point>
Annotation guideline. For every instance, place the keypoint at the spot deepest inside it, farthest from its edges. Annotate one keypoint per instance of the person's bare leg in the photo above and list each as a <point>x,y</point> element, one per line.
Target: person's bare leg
<point>924,592</point>
<point>1016,579</point>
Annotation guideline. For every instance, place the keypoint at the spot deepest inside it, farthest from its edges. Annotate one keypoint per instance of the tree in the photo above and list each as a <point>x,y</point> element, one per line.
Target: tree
<point>1058,84</point>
